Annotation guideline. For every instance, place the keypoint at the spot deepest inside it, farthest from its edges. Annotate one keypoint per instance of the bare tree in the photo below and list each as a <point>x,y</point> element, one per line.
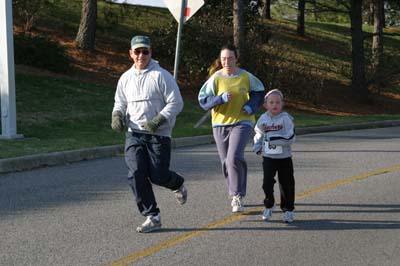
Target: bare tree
<point>300,17</point>
<point>314,9</point>
<point>371,13</point>
<point>383,18</point>
<point>359,84</point>
<point>354,9</point>
<point>86,36</point>
<point>28,11</point>
<point>238,28</point>
<point>266,9</point>
<point>377,39</point>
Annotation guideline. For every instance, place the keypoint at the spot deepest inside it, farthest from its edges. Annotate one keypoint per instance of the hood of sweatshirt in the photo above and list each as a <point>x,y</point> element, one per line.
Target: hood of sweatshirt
<point>152,65</point>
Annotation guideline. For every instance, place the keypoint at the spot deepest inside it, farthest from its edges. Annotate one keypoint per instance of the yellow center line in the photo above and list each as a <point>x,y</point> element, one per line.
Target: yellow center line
<point>235,217</point>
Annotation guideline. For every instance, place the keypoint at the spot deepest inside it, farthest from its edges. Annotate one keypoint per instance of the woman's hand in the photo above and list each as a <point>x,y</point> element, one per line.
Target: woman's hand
<point>227,96</point>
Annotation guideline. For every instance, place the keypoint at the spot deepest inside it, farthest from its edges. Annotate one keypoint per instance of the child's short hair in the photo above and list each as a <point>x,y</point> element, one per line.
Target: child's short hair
<point>274,91</point>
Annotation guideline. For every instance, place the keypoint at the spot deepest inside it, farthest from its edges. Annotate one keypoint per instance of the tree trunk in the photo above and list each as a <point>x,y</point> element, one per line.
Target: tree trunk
<point>371,13</point>
<point>315,13</point>
<point>382,3</point>
<point>359,85</point>
<point>266,9</point>
<point>300,17</point>
<point>86,36</point>
<point>238,29</point>
<point>377,40</point>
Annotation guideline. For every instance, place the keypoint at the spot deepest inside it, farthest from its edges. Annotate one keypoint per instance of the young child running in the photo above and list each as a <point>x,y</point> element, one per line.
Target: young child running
<point>274,135</point>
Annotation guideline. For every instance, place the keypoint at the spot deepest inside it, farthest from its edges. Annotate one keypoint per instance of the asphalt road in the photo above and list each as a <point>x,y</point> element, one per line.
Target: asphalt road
<point>347,210</point>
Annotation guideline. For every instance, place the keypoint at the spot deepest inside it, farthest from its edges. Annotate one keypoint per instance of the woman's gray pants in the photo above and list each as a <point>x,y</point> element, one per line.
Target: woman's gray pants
<point>231,142</point>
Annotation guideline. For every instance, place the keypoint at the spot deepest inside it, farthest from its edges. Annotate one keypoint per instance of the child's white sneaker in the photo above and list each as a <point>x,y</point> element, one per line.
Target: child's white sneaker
<point>267,214</point>
<point>288,217</point>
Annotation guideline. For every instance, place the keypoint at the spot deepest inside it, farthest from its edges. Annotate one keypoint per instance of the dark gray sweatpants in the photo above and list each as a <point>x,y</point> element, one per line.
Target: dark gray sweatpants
<point>148,158</point>
<point>231,142</point>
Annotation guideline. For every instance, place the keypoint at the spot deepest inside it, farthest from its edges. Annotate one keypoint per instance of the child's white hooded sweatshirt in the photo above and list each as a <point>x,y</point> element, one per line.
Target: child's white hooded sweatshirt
<point>274,135</point>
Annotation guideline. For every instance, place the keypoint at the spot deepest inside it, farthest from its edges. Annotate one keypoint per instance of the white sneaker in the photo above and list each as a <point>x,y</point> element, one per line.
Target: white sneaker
<point>288,217</point>
<point>237,204</point>
<point>152,223</point>
<point>267,214</point>
<point>181,194</point>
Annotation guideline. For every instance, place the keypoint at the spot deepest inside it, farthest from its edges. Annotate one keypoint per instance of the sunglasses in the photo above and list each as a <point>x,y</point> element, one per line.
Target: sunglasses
<point>142,51</point>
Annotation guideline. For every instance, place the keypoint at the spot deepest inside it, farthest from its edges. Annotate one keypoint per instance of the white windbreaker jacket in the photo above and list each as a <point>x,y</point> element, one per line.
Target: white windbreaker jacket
<point>142,94</point>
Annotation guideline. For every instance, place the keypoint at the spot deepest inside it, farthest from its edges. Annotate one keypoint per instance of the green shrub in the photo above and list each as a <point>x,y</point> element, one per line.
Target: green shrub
<point>40,52</point>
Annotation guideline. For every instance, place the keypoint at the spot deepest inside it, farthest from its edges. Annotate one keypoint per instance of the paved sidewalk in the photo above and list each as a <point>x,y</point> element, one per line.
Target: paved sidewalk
<point>58,158</point>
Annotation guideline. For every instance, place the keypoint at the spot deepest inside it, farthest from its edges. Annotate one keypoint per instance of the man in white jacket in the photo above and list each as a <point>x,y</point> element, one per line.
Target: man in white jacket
<point>147,101</point>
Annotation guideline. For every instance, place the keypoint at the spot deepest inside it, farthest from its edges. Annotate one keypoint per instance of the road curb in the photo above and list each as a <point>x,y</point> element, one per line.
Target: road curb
<point>345,127</point>
<point>29,162</point>
<point>59,158</point>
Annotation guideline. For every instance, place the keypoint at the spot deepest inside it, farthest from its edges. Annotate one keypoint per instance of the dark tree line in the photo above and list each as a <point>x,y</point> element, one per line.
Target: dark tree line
<point>354,9</point>
<point>86,35</point>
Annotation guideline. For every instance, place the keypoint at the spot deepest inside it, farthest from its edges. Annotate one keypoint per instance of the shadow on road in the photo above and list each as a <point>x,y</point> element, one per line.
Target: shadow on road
<point>309,224</point>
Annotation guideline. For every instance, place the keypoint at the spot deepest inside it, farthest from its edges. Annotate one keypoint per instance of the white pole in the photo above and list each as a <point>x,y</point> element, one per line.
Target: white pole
<point>178,38</point>
<point>7,74</point>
